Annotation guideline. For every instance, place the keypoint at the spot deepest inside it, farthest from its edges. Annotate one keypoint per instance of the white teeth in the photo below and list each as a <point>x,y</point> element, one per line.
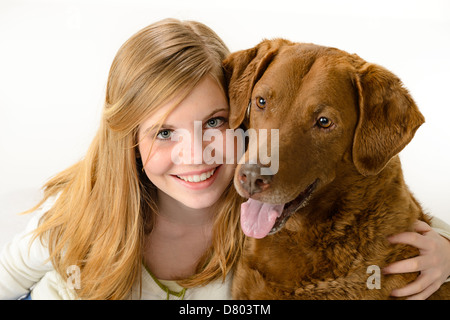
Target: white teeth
<point>198,178</point>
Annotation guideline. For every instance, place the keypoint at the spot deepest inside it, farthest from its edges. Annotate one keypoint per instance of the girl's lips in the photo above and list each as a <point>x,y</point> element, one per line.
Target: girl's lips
<point>198,172</point>
<point>197,185</point>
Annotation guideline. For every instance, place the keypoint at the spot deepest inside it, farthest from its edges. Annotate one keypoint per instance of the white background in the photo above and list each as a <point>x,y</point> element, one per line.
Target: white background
<point>55,57</point>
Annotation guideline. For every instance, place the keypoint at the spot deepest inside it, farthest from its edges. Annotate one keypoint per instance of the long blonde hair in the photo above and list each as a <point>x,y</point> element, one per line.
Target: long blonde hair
<point>105,203</point>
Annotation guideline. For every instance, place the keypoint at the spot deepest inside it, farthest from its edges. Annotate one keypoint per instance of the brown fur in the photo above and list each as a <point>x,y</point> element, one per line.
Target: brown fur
<point>325,248</point>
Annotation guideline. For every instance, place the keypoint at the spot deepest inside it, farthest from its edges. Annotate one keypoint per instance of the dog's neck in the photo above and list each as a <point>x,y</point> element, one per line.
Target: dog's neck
<point>361,195</point>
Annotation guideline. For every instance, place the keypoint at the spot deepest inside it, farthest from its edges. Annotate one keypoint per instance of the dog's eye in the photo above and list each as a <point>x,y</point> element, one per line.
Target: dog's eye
<point>261,102</point>
<point>324,122</point>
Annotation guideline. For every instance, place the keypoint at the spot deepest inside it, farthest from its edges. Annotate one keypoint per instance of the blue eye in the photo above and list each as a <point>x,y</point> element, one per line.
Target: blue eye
<point>164,134</point>
<point>215,122</point>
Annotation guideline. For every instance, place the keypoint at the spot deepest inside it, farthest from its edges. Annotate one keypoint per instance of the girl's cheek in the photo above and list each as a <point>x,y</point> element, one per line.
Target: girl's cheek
<point>159,162</point>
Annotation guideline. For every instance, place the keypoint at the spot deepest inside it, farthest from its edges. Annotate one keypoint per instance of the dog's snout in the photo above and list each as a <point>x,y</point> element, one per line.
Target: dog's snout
<point>252,180</point>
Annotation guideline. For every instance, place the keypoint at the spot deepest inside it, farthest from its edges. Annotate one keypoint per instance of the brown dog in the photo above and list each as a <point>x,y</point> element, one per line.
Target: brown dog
<point>318,225</point>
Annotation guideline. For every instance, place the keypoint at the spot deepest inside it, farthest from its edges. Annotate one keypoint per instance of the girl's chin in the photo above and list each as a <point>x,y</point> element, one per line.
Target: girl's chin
<point>200,202</point>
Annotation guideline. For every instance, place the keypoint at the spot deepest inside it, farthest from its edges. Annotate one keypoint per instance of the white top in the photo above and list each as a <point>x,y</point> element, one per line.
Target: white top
<point>22,268</point>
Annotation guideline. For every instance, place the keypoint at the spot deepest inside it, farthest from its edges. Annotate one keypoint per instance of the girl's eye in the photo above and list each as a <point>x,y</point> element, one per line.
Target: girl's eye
<point>324,122</point>
<point>261,102</point>
<point>164,134</point>
<point>215,122</point>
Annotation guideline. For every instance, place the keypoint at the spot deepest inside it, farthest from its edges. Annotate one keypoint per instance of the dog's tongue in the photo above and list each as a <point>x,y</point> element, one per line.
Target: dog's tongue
<point>258,218</point>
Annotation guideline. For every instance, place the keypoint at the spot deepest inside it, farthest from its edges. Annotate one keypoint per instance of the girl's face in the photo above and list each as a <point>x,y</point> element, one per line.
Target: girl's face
<point>181,164</point>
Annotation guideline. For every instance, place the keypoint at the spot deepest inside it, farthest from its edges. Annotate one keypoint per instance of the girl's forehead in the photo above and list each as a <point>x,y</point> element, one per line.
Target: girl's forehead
<point>206,99</point>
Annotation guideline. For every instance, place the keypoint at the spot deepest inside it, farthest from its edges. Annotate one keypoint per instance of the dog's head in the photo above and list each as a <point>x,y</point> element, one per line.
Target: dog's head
<point>329,109</point>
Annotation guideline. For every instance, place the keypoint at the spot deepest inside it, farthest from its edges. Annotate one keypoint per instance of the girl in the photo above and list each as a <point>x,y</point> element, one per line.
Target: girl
<point>128,215</point>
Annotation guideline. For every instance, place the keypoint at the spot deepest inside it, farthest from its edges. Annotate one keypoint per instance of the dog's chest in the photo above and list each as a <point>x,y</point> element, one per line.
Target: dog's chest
<point>330,261</point>
<point>288,256</point>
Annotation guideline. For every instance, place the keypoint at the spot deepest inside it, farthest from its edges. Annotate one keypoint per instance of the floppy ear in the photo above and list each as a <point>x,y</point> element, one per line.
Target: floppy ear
<point>242,70</point>
<point>388,119</point>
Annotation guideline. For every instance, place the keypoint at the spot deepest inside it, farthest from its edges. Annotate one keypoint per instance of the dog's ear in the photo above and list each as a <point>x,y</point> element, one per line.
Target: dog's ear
<point>388,119</point>
<point>242,70</point>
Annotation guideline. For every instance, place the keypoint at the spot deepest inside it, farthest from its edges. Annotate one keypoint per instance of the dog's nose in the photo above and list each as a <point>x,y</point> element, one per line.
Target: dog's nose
<point>251,179</point>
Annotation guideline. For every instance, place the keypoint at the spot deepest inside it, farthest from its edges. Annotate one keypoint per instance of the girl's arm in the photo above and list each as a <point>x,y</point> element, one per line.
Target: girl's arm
<point>21,265</point>
<point>433,262</point>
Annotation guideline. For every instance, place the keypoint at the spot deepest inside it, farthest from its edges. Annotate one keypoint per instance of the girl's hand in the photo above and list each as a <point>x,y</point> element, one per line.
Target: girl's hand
<point>433,262</point>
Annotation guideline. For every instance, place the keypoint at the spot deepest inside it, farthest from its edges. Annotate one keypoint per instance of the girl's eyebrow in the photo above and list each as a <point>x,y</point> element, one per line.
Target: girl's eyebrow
<point>153,127</point>
<point>168,126</point>
<point>214,112</point>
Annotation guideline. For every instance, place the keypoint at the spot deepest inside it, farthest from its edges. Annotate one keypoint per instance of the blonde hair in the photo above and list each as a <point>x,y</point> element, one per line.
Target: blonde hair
<point>105,203</point>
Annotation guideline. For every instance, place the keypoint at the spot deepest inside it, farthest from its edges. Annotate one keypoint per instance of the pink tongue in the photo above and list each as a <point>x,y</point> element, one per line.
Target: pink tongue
<point>258,218</point>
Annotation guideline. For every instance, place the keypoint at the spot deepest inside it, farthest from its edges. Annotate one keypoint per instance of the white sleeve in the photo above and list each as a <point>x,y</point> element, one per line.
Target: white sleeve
<point>443,229</point>
<point>21,265</point>
<point>440,227</point>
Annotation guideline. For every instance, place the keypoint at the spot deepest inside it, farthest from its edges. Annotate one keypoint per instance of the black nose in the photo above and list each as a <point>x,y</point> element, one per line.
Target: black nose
<point>251,179</point>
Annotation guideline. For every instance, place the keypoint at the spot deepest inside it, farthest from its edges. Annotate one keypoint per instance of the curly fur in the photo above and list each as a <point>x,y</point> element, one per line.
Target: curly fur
<point>325,248</point>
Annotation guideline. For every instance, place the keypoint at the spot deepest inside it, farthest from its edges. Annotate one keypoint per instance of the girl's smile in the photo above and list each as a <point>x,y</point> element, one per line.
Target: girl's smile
<point>197,180</point>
